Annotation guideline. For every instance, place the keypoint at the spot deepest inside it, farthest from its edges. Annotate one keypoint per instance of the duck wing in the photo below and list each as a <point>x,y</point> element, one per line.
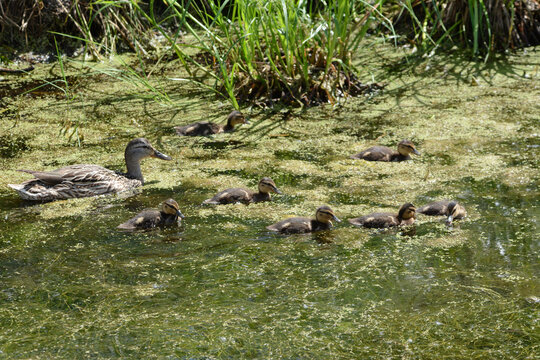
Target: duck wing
<point>73,173</point>
<point>73,181</point>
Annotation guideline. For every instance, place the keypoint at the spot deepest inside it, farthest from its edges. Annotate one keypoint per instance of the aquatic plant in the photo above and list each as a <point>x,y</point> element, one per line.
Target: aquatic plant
<point>264,52</point>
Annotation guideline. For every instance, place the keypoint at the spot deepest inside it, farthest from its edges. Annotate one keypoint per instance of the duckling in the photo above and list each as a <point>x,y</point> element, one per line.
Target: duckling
<point>205,128</point>
<point>449,208</point>
<point>170,214</point>
<point>383,153</point>
<point>83,180</point>
<point>300,225</point>
<point>405,216</point>
<point>230,196</point>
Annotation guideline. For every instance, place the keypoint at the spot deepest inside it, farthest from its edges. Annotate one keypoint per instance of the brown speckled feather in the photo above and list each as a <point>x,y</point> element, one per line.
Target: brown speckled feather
<point>81,180</point>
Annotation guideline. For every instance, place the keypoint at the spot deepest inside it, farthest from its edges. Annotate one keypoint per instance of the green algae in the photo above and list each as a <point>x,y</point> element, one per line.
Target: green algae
<point>221,286</point>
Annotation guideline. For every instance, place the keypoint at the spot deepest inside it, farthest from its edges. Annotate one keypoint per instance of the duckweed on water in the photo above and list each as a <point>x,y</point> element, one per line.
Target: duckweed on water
<point>221,286</point>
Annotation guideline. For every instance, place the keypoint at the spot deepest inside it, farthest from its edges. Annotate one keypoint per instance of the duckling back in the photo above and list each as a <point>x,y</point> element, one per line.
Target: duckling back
<point>203,128</point>
<point>375,153</point>
<point>441,208</point>
<point>148,219</point>
<point>231,196</point>
<point>376,220</point>
<point>297,225</point>
<point>144,220</point>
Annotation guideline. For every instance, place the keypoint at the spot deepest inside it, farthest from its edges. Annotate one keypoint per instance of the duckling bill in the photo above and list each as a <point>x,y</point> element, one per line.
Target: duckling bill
<point>234,195</point>
<point>301,225</point>
<point>449,208</point>
<point>83,180</point>
<point>205,128</point>
<point>382,153</point>
<point>170,214</point>
<point>405,216</point>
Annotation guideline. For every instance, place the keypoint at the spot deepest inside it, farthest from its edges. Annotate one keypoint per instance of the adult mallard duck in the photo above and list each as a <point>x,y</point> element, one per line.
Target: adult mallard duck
<point>449,208</point>
<point>234,195</point>
<point>405,216</point>
<point>383,153</point>
<point>205,128</point>
<point>170,214</point>
<point>82,180</point>
<point>300,225</point>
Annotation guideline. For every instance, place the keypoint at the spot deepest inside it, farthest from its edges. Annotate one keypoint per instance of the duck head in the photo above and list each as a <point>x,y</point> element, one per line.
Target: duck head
<point>267,185</point>
<point>407,211</point>
<point>136,150</point>
<point>406,147</point>
<point>452,211</point>
<point>325,215</point>
<point>171,207</point>
<point>236,118</point>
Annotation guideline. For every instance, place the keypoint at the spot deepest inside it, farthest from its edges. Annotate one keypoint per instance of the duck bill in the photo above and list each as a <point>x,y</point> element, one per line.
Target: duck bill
<point>416,152</point>
<point>161,156</point>
<point>336,218</point>
<point>277,191</point>
<point>450,219</point>
<point>179,214</point>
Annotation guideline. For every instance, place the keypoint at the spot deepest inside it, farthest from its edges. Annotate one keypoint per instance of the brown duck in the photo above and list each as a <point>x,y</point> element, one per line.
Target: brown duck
<point>405,216</point>
<point>449,208</point>
<point>170,214</point>
<point>82,180</point>
<point>205,128</point>
<point>300,225</point>
<point>234,195</point>
<point>383,153</point>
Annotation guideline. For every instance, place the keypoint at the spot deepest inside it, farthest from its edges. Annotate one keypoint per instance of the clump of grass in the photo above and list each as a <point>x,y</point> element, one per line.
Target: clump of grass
<point>484,26</point>
<point>275,51</point>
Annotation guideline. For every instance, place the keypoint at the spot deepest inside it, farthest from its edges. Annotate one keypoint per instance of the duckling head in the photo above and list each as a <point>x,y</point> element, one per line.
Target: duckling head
<point>407,211</point>
<point>406,147</point>
<point>325,215</point>
<point>267,185</point>
<point>171,207</point>
<point>452,212</point>
<point>236,118</point>
<point>141,148</point>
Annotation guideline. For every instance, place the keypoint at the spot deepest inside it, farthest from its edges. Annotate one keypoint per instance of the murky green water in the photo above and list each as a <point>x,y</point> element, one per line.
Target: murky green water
<point>221,286</point>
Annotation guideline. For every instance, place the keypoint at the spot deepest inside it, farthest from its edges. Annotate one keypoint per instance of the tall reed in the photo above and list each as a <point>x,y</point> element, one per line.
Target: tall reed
<point>254,49</point>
